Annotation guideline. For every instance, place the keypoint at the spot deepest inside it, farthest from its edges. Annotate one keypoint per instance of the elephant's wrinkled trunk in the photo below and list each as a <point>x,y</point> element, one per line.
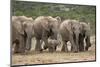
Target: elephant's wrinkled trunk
<point>28,43</point>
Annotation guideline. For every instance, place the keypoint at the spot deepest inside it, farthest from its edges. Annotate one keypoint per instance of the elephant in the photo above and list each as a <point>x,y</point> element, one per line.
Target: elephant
<point>52,45</point>
<point>85,35</point>
<point>44,27</point>
<point>19,32</point>
<point>70,30</point>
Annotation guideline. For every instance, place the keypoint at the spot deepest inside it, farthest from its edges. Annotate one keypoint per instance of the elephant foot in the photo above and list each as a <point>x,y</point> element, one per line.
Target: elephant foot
<point>81,50</point>
<point>76,51</point>
<point>18,51</point>
<point>45,47</point>
<point>86,48</point>
<point>15,52</point>
<point>64,49</point>
<point>41,50</point>
<point>51,50</point>
<point>21,51</point>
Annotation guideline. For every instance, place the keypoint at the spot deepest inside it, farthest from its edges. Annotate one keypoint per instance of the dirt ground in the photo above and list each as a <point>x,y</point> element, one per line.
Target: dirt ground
<point>55,57</point>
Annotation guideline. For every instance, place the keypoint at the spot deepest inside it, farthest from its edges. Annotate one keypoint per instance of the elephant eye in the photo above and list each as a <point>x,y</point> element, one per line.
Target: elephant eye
<point>73,28</point>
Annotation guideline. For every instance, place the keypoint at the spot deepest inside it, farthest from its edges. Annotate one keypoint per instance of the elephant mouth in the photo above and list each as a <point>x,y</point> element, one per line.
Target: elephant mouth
<point>50,33</point>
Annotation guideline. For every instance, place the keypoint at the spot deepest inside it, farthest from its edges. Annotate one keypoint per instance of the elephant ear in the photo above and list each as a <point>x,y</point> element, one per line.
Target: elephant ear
<point>88,25</point>
<point>71,25</point>
<point>24,25</point>
<point>58,19</point>
<point>18,26</point>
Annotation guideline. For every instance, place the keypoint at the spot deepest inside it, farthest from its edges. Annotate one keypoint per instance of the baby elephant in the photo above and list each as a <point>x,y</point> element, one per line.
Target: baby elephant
<point>52,45</point>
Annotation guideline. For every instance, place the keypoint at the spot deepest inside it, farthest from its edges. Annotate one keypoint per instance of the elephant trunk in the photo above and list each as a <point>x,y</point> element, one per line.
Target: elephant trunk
<point>28,43</point>
<point>77,43</point>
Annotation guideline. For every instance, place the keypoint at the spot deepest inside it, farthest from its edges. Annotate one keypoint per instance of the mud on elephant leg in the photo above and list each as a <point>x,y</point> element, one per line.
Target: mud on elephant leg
<point>64,47</point>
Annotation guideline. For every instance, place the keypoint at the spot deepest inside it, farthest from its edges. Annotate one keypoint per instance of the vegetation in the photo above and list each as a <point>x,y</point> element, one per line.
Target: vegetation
<point>65,11</point>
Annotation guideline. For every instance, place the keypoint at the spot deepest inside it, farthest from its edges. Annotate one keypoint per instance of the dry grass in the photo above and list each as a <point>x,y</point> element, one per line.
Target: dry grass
<point>55,57</point>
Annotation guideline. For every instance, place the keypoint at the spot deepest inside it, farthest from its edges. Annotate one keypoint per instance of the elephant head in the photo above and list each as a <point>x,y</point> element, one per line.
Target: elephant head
<point>53,26</point>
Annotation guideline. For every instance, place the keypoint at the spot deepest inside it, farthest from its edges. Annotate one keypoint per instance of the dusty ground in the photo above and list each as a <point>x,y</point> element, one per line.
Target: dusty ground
<point>56,57</point>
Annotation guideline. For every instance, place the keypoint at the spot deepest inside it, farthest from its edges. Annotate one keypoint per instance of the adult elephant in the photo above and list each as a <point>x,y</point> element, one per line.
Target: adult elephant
<point>85,35</point>
<point>19,33</point>
<point>44,27</point>
<point>70,30</point>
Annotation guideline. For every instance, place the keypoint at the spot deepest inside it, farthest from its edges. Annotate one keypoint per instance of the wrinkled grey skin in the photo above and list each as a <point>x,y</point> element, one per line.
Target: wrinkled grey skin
<point>52,45</point>
<point>19,33</point>
<point>44,27</point>
<point>70,30</point>
<point>85,35</point>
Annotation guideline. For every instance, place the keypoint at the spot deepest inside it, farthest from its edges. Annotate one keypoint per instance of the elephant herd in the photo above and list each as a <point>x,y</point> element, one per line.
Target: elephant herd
<point>47,29</point>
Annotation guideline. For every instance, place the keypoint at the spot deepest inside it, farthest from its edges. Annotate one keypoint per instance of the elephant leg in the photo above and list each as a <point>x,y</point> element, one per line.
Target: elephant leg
<point>64,47</point>
<point>55,47</point>
<point>81,43</point>
<point>38,45</point>
<point>22,44</point>
<point>45,39</point>
<point>46,43</point>
<point>88,44</point>
<point>81,46</point>
<point>50,49</point>
<point>74,47</point>
<point>71,48</point>
<point>16,46</point>
<point>45,47</point>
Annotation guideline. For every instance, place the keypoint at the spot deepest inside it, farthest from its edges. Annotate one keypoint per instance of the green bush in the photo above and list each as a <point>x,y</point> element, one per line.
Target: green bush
<point>35,9</point>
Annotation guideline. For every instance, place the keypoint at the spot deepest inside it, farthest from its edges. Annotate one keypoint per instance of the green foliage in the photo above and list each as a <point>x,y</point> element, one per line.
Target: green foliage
<point>65,11</point>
